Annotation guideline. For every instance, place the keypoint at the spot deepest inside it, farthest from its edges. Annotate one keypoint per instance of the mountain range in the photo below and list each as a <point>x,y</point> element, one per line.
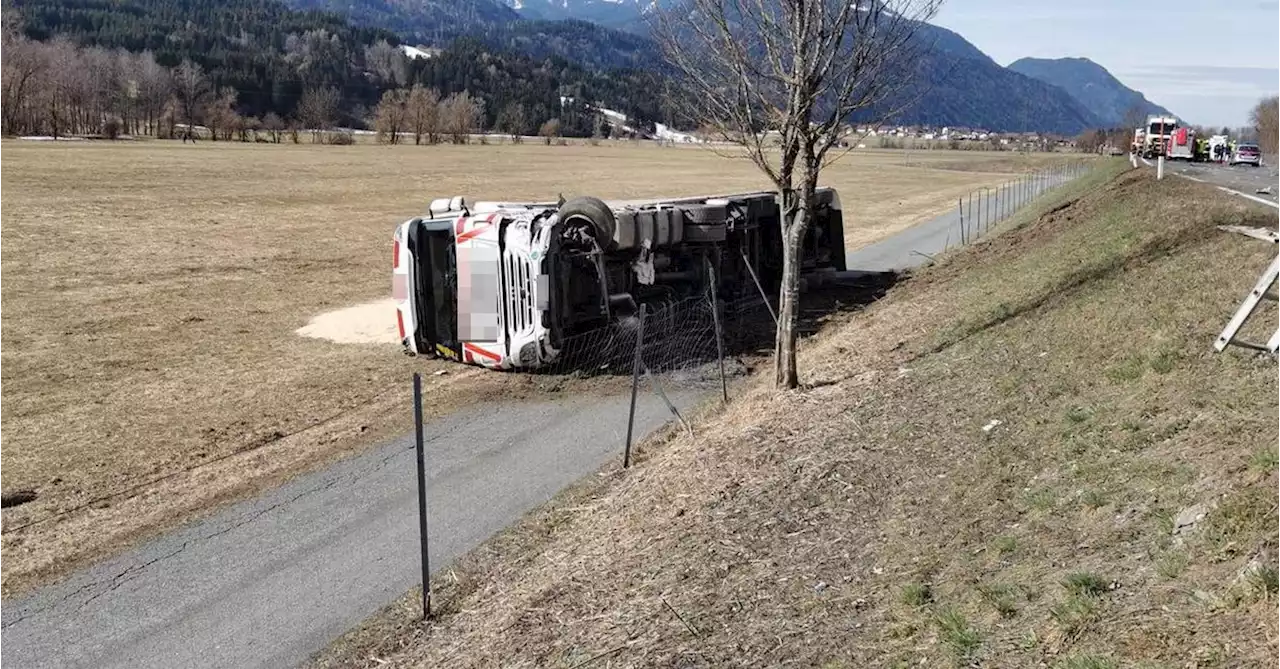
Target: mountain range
<point>575,47</point>
<point>959,84</point>
<point>1090,84</point>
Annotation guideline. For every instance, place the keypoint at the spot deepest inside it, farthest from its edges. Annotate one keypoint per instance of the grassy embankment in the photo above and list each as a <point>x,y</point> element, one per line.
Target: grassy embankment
<point>1122,512</point>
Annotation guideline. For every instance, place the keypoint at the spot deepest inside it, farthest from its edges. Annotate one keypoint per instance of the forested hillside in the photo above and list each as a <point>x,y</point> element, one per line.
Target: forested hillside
<point>1093,87</point>
<point>73,65</point>
<point>427,21</point>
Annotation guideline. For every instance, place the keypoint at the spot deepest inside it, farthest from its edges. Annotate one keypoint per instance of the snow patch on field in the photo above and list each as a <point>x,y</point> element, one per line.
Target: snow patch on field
<point>369,323</point>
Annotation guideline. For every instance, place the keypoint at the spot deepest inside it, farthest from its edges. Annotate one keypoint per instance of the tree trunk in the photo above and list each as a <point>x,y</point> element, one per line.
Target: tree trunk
<point>793,223</point>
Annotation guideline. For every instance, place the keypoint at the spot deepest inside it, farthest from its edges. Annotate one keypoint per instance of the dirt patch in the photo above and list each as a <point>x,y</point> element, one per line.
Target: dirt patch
<point>1009,500</point>
<point>368,323</point>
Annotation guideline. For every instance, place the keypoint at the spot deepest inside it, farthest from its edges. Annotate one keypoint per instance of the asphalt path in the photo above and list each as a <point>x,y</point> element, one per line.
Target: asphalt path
<point>971,219</point>
<point>268,582</point>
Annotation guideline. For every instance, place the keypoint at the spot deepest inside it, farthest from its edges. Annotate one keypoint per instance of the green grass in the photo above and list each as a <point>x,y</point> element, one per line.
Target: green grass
<point>1079,254</point>
<point>1041,499</point>
<point>1002,597</point>
<point>1264,580</point>
<point>1006,545</point>
<point>956,632</point>
<point>1241,515</point>
<point>1130,369</point>
<point>916,594</point>
<point>1079,414</point>
<point>1265,459</point>
<point>1085,583</point>
<point>1163,361</point>
<point>1173,564</point>
<point>1093,498</point>
<point>1087,662</point>
<point>1075,613</point>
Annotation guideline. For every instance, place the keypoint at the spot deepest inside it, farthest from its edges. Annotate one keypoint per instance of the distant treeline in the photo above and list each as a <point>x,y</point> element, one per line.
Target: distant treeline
<point>147,66</point>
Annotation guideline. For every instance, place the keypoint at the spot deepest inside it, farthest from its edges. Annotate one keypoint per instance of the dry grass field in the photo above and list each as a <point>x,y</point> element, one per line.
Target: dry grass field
<point>152,290</point>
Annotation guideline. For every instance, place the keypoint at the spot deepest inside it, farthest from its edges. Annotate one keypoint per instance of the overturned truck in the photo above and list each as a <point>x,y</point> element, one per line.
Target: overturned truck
<point>506,285</point>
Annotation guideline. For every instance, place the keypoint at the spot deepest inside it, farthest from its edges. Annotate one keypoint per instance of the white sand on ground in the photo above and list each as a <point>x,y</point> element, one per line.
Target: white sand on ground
<point>369,323</point>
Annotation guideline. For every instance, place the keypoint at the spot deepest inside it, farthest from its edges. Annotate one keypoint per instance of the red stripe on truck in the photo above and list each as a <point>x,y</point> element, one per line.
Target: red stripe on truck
<point>476,350</point>
<point>473,232</point>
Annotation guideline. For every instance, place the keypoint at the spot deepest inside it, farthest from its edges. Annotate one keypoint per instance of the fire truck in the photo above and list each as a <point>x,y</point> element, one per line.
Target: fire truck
<point>504,285</point>
<point>1181,145</point>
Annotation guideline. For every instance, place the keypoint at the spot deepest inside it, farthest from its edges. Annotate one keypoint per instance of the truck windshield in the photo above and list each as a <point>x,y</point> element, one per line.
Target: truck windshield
<point>437,288</point>
<point>1157,129</point>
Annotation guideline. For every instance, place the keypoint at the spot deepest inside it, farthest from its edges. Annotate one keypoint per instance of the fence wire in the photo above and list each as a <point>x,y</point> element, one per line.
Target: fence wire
<point>679,340</point>
<point>978,211</point>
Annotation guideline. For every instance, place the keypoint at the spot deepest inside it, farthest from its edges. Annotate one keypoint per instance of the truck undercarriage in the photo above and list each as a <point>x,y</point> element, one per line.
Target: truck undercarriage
<point>562,270</point>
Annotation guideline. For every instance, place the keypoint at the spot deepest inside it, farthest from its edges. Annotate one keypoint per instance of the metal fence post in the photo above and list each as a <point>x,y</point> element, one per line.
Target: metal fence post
<point>715,317</point>
<point>755,279</point>
<point>969,209</point>
<point>635,384</point>
<point>422,495</point>
<point>987,219</point>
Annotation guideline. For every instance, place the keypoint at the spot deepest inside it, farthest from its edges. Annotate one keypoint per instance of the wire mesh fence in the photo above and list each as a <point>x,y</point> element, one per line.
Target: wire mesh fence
<point>678,336</point>
<point>979,211</point>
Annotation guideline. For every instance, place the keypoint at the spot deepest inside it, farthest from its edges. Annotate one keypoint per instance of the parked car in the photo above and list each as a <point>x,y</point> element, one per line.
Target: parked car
<point>1247,154</point>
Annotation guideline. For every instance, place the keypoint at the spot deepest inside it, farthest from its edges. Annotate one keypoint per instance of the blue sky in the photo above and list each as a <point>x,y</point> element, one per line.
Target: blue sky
<point>1208,61</point>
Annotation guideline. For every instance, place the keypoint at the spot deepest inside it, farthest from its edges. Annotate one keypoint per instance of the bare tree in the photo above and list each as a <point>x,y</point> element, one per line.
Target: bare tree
<point>154,86</point>
<point>794,71</point>
<point>597,129</point>
<point>514,121</point>
<point>57,86</point>
<point>549,130</point>
<point>317,110</point>
<point>247,127</point>
<point>1266,123</point>
<point>274,125</point>
<point>220,115</point>
<point>424,114</point>
<point>460,116</point>
<point>391,115</point>
<point>1134,117</point>
<point>191,91</point>
<point>388,64</point>
<point>22,64</point>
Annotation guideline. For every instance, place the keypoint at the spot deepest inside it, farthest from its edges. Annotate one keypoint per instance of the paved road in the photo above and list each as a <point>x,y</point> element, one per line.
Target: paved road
<point>268,582</point>
<point>1241,178</point>
<point>915,245</point>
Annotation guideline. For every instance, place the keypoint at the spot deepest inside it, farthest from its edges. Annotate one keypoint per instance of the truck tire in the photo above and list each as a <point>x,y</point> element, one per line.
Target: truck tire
<point>594,211</point>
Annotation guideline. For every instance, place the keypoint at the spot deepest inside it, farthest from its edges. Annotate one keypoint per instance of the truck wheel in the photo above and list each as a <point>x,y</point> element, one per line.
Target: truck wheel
<point>594,211</point>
